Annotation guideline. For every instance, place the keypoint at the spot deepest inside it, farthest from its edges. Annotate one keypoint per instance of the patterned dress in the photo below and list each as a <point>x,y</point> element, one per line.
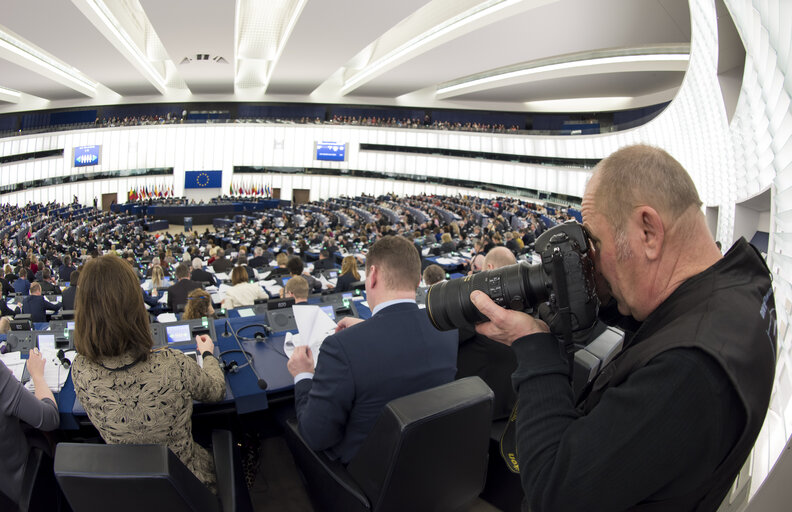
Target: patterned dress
<point>151,402</point>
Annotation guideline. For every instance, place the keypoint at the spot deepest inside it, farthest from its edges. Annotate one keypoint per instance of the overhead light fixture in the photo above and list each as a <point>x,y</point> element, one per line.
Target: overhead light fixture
<point>438,31</point>
<point>121,36</point>
<point>633,61</point>
<point>37,60</point>
<point>10,95</point>
<point>604,103</point>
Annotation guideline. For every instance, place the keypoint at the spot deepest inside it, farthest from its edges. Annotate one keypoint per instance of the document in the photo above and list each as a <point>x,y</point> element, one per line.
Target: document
<point>313,326</point>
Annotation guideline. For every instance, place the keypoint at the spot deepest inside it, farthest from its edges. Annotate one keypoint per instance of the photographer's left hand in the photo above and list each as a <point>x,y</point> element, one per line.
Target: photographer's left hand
<point>505,326</point>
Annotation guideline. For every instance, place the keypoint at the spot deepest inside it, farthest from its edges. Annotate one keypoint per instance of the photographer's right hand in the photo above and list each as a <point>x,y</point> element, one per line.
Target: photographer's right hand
<point>505,326</point>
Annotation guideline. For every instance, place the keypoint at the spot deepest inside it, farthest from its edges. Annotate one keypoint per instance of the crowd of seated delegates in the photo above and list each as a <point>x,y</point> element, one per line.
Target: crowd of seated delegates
<point>169,118</point>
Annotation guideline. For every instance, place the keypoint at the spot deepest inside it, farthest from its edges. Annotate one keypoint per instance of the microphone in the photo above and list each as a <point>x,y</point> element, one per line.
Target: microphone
<point>226,334</point>
<point>262,384</point>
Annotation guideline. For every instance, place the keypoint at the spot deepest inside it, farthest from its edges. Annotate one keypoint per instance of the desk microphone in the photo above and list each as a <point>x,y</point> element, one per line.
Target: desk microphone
<point>262,384</point>
<point>226,334</point>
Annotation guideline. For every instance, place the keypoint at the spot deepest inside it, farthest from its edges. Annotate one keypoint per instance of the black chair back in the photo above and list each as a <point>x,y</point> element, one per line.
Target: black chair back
<point>428,450</point>
<point>129,478</point>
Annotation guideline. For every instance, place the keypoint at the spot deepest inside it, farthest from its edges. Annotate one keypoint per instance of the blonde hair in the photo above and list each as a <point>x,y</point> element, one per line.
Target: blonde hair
<point>349,265</point>
<point>157,276</point>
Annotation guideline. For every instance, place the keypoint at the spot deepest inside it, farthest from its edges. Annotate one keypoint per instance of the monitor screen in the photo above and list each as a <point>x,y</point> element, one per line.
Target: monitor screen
<point>178,333</point>
<point>332,151</point>
<point>329,311</point>
<point>332,274</point>
<point>70,325</point>
<point>246,312</point>
<point>346,295</point>
<point>284,280</point>
<point>87,155</point>
<point>46,341</point>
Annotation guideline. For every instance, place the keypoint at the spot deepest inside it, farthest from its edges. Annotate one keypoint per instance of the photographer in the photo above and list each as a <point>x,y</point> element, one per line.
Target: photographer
<point>668,423</point>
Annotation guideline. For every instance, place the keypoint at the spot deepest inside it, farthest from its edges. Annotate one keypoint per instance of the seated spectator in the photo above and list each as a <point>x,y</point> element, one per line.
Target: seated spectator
<point>349,274</point>
<point>47,283</point>
<point>67,298</point>
<point>116,367</point>
<point>155,264</point>
<point>281,260</point>
<point>242,262</point>
<point>242,293</point>
<point>433,274</point>
<point>221,263</point>
<point>295,266</point>
<point>199,305</point>
<point>21,285</point>
<point>8,280</point>
<point>447,245</point>
<point>199,275</point>
<point>296,288</point>
<point>366,364</point>
<point>259,258</point>
<point>324,262</point>
<point>157,280</point>
<point>37,306</point>
<point>65,270</point>
<point>177,294</point>
<point>21,408</point>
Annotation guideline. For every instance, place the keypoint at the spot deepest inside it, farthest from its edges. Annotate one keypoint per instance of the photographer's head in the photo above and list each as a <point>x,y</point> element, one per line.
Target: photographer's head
<point>393,270</point>
<point>644,217</point>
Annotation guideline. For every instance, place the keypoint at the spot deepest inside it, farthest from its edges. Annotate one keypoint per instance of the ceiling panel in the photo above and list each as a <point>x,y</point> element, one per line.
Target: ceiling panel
<point>592,86</point>
<point>22,79</point>
<point>536,34</point>
<point>327,35</point>
<point>58,27</point>
<point>199,38</point>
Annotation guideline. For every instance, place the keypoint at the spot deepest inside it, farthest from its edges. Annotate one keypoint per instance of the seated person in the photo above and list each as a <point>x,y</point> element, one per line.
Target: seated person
<point>20,408</point>
<point>199,305</point>
<point>37,306</point>
<point>21,284</point>
<point>221,263</point>
<point>281,260</point>
<point>295,266</point>
<point>242,262</point>
<point>433,274</point>
<point>67,298</point>
<point>242,293</point>
<point>296,288</point>
<point>199,275</point>
<point>349,274</point>
<point>47,283</point>
<point>325,262</point>
<point>492,361</point>
<point>366,364</point>
<point>177,294</point>
<point>131,393</point>
<point>260,258</point>
<point>157,280</point>
<point>447,245</point>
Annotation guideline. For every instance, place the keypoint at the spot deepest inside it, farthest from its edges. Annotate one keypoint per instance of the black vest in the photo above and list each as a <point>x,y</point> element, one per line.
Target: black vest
<point>728,311</point>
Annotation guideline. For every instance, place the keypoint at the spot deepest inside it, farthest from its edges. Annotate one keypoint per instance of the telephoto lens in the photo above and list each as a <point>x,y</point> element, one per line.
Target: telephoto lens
<point>519,287</point>
<point>564,279</point>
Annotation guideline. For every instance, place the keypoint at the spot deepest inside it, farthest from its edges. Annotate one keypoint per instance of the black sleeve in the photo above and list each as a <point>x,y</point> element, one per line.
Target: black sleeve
<point>674,419</point>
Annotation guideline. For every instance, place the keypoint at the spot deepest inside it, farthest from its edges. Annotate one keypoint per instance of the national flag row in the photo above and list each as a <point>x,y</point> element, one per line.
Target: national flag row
<point>239,189</point>
<point>149,192</point>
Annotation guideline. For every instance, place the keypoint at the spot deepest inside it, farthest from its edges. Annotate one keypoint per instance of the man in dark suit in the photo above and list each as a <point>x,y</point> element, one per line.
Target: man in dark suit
<point>259,258</point>
<point>177,294</point>
<point>366,364</point>
<point>199,275</point>
<point>47,283</point>
<point>65,270</point>
<point>324,262</point>
<point>67,298</point>
<point>222,264</point>
<point>36,306</point>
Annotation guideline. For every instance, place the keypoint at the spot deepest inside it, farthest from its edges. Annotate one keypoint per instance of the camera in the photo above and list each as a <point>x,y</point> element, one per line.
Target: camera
<point>564,280</point>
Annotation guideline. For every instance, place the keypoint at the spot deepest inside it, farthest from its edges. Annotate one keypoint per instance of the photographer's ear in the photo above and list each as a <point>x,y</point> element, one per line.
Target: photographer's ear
<point>651,231</point>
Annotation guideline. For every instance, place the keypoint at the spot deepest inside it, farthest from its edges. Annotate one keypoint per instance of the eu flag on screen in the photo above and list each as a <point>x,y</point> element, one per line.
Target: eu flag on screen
<point>203,179</point>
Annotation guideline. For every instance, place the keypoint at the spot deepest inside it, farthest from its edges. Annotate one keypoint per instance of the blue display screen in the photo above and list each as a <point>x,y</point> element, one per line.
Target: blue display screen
<point>332,151</point>
<point>203,179</point>
<point>86,155</point>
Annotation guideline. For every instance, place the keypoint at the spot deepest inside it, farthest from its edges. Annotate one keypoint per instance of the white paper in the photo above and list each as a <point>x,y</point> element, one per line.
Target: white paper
<point>166,317</point>
<point>15,363</point>
<point>164,298</point>
<point>222,276</point>
<point>313,325</point>
<point>55,373</point>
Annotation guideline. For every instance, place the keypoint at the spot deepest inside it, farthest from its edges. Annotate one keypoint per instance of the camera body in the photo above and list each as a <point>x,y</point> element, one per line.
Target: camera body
<point>564,280</point>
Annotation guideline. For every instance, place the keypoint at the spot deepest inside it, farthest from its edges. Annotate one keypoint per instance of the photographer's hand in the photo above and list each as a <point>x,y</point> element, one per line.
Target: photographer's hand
<point>505,326</point>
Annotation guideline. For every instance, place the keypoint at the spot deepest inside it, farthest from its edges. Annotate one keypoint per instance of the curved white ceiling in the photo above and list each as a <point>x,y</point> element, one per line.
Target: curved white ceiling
<point>344,51</point>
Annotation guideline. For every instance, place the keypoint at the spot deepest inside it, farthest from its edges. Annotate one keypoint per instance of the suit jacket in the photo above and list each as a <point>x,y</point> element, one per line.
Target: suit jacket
<point>64,272</point>
<point>259,261</point>
<point>200,275</point>
<point>67,298</point>
<point>177,294</point>
<point>325,264</point>
<point>222,265</point>
<point>360,369</point>
<point>36,306</point>
<point>344,281</point>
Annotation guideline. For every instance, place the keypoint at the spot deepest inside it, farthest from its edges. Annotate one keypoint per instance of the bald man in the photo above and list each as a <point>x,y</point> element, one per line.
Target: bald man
<point>667,424</point>
<point>499,257</point>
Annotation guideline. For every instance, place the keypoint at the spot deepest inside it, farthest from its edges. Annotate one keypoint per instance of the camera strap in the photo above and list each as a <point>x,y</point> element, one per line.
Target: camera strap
<point>508,442</point>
